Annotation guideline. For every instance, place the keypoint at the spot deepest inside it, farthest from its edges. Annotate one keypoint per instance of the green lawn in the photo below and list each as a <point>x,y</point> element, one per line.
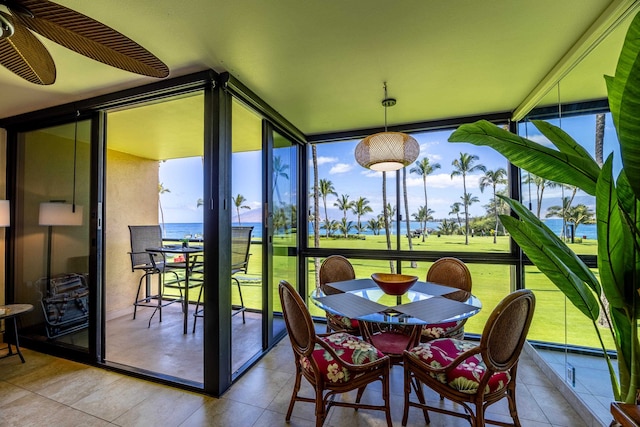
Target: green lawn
<point>491,283</point>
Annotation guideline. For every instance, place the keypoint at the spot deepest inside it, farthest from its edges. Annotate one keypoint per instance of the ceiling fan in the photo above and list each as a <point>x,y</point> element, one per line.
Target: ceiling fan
<point>23,54</point>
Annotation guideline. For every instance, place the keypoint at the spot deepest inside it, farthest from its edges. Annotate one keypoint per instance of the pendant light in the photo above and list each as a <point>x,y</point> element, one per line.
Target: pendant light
<point>387,151</point>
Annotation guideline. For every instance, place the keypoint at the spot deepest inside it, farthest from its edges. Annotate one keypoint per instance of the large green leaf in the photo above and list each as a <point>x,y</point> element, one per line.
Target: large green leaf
<point>629,208</point>
<point>536,158</point>
<point>555,245</point>
<point>624,101</point>
<point>537,249</point>
<point>565,143</point>
<point>610,237</point>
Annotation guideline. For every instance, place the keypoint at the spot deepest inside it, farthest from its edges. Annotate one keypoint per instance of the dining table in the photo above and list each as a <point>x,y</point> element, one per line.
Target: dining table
<point>424,303</point>
<point>189,253</point>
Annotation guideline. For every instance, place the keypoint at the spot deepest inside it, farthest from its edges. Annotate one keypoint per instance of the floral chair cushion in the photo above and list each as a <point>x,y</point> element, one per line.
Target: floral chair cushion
<point>439,330</point>
<point>467,375</point>
<point>349,349</point>
<point>344,321</point>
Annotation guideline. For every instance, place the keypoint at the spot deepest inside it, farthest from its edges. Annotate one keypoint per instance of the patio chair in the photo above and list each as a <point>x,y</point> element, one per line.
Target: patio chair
<point>336,268</point>
<point>452,272</point>
<point>332,363</point>
<point>143,237</point>
<point>240,246</point>
<point>444,365</point>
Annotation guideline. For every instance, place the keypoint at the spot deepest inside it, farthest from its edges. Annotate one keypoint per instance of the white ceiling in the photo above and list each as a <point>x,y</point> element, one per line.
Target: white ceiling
<point>322,63</point>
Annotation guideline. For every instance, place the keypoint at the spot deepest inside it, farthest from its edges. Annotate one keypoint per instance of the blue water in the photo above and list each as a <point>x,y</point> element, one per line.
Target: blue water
<point>194,230</point>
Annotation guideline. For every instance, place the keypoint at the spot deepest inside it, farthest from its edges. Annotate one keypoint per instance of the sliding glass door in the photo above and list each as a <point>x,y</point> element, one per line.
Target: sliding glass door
<point>154,178</point>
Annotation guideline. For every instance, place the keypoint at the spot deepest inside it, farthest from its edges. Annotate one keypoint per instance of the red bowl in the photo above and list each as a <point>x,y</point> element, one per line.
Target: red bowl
<point>394,284</point>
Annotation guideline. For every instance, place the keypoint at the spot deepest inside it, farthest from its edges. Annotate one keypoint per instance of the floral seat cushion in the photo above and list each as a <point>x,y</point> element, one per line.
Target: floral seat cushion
<point>349,349</point>
<point>439,330</point>
<point>345,322</point>
<point>467,375</point>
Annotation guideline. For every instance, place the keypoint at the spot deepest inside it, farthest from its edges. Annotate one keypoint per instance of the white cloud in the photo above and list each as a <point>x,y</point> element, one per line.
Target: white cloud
<point>323,159</point>
<point>340,168</point>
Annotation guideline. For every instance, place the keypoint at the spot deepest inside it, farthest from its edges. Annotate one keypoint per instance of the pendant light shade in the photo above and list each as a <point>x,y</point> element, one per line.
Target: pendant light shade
<point>387,151</point>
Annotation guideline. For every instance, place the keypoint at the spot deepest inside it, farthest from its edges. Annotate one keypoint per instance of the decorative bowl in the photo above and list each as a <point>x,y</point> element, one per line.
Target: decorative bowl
<point>394,284</point>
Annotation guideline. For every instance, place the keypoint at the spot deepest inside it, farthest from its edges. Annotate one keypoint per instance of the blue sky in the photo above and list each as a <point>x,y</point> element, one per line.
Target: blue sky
<point>183,177</point>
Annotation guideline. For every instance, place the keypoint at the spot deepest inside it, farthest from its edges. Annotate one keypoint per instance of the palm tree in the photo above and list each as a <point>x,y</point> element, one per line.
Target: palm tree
<point>467,200</point>
<point>423,168</point>
<point>423,216</point>
<point>540,184</point>
<point>361,207</point>
<point>326,188</point>
<point>580,214</point>
<point>344,204</point>
<point>464,165</point>
<point>279,169</point>
<point>455,210</point>
<point>345,226</point>
<point>238,203</point>
<point>161,191</point>
<point>447,227</point>
<point>493,179</point>
<point>374,225</point>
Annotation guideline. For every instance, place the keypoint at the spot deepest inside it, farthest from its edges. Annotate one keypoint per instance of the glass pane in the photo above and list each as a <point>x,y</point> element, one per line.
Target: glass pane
<point>246,189</point>
<point>570,212</point>
<point>350,199</point>
<point>52,241</point>
<point>154,178</point>
<point>285,193</point>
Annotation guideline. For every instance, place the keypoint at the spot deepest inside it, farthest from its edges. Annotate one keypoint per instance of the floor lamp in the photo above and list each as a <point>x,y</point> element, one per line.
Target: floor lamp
<point>57,213</point>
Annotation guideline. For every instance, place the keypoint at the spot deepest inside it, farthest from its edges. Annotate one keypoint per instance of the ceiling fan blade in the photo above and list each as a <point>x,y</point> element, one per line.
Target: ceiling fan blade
<point>24,55</point>
<point>88,37</point>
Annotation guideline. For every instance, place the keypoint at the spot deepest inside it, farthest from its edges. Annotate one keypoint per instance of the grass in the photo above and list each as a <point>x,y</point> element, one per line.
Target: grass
<point>555,319</point>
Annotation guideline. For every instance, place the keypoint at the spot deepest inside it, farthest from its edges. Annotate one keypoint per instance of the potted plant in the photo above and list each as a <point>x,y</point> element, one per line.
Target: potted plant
<point>617,211</point>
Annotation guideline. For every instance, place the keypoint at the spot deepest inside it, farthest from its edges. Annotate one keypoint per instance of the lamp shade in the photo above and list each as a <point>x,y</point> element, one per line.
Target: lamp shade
<point>59,214</point>
<point>5,216</point>
<point>387,151</point>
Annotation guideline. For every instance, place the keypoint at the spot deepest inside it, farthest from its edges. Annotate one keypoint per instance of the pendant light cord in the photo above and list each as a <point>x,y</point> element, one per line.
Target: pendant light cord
<point>385,106</point>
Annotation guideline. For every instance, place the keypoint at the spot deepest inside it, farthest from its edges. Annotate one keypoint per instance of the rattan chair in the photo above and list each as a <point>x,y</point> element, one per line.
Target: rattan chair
<point>336,268</point>
<point>332,363</point>
<point>444,365</point>
<point>452,272</point>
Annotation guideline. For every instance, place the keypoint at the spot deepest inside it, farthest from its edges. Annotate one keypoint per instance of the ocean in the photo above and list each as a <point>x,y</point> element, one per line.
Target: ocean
<point>193,230</point>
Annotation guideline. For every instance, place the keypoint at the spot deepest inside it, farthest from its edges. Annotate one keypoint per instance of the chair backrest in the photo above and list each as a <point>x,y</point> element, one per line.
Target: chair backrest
<point>240,245</point>
<point>506,330</point>
<point>451,272</point>
<point>143,237</point>
<point>297,320</point>
<point>335,268</point>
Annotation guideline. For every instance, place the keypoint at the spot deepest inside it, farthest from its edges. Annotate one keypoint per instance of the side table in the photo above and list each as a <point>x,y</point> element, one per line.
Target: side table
<point>11,312</point>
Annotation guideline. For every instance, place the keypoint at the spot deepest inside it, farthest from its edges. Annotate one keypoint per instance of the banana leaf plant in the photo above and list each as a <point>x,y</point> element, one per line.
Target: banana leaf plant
<point>617,212</point>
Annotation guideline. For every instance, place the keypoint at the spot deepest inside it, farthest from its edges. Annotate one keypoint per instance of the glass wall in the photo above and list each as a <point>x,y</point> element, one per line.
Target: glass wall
<point>52,234</point>
<point>444,201</point>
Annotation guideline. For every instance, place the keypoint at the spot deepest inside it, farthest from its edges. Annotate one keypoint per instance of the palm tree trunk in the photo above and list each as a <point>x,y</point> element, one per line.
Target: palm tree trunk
<point>599,138</point>
<point>392,266</point>
<point>495,206</point>
<point>316,212</point>
<point>406,212</point>
<point>466,210</point>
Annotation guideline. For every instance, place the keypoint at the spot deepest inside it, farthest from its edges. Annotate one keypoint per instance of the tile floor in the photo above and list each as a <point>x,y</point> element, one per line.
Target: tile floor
<point>51,391</point>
